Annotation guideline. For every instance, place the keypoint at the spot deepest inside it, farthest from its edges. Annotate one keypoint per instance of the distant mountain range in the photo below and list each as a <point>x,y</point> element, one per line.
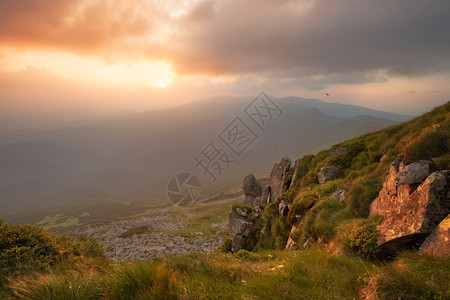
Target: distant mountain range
<point>133,156</point>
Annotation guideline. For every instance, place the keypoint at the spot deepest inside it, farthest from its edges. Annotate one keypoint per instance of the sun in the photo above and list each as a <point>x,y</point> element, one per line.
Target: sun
<point>161,85</point>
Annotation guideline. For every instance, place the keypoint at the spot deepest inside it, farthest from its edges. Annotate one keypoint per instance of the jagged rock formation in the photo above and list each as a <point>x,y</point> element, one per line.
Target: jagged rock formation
<point>339,194</point>
<point>252,191</point>
<point>279,181</point>
<point>438,242</point>
<point>328,173</point>
<point>411,210</point>
<point>243,217</point>
<point>241,222</point>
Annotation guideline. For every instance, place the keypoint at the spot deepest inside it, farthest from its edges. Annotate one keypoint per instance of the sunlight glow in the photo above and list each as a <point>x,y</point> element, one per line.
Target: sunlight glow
<point>91,70</point>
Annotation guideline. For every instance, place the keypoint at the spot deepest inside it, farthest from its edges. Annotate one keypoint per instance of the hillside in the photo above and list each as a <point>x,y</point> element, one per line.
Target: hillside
<point>315,234</point>
<point>131,157</point>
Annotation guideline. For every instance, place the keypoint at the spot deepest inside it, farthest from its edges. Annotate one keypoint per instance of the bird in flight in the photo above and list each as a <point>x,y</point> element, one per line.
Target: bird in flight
<point>327,94</point>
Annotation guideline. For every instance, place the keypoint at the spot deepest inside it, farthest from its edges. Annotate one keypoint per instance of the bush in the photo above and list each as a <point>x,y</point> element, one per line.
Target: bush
<point>363,240</point>
<point>26,248</point>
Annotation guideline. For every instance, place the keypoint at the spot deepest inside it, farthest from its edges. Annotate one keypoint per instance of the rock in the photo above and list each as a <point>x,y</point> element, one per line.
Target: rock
<point>438,242</point>
<point>241,223</point>
<point>283,208</point>
<point>411,218</point>
<point>294,175</point>
<point>252,191</point>
<point>391,194</point>
<point>279,181</point>
<point>327,173</point>
<point>290,242</point>
<point>339,194</point>
<point>413,173</point>
<point>307,244</point>
<point>266,195</point>
<point>251,186</point>
<point>338,152</point>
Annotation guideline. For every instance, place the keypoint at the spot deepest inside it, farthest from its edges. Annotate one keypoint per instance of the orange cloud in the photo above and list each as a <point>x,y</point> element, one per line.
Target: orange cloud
<point>80,26</point>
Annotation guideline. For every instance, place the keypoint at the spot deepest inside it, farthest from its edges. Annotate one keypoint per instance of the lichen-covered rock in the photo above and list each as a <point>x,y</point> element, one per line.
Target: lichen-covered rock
<point>241,221</point>
<point>411,218</point>
<point>413,173</point>
<point>328,173</point>
<point>438,242</point>
<point>339,194</point>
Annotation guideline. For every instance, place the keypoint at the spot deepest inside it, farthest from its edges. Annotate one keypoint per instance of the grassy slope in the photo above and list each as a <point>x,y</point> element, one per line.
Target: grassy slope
<point>276,274</point>
<point>366,163</point>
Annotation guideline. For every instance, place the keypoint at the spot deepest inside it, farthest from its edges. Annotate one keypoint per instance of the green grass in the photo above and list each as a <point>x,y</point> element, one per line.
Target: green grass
<point>306,274</point>
<point>35,264</point>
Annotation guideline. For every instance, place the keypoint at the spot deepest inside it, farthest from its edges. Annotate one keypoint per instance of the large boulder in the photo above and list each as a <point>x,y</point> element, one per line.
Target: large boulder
<point>410,214</point>
<point>279,181</point>
<point>413,173</point>
<point>391,194</point>
<point>438,242</point>
<point>241,221</point>
<point>328,173</point>
<point>252,191</point>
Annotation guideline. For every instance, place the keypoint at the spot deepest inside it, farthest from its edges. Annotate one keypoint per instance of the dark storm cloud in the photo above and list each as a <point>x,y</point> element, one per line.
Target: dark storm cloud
<point>407,37</point>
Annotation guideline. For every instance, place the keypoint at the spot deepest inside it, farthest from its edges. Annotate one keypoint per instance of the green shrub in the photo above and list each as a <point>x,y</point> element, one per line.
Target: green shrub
<point>26,248</point>
<point>300,206</point>
<point>363,240</point>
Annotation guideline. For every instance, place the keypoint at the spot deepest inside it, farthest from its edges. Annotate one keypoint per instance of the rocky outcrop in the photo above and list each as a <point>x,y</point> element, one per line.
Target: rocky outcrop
<point>241,222</point>
<point>283,208</point>
<point>339,194</point>
<point>279,181</point>
<point>438,242</point>
<point>252,191</point>
<point>328,173</point>
<point>338,152</point>
<point>411,211</point>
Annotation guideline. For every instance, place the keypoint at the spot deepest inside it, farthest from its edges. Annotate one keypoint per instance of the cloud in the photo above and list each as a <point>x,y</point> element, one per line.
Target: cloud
<point>79,26</point>
<point>322,41</point>
<point>406,37</point>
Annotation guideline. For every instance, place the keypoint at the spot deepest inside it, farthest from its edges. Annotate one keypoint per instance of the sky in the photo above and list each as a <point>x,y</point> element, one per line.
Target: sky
<point>77,58</point>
